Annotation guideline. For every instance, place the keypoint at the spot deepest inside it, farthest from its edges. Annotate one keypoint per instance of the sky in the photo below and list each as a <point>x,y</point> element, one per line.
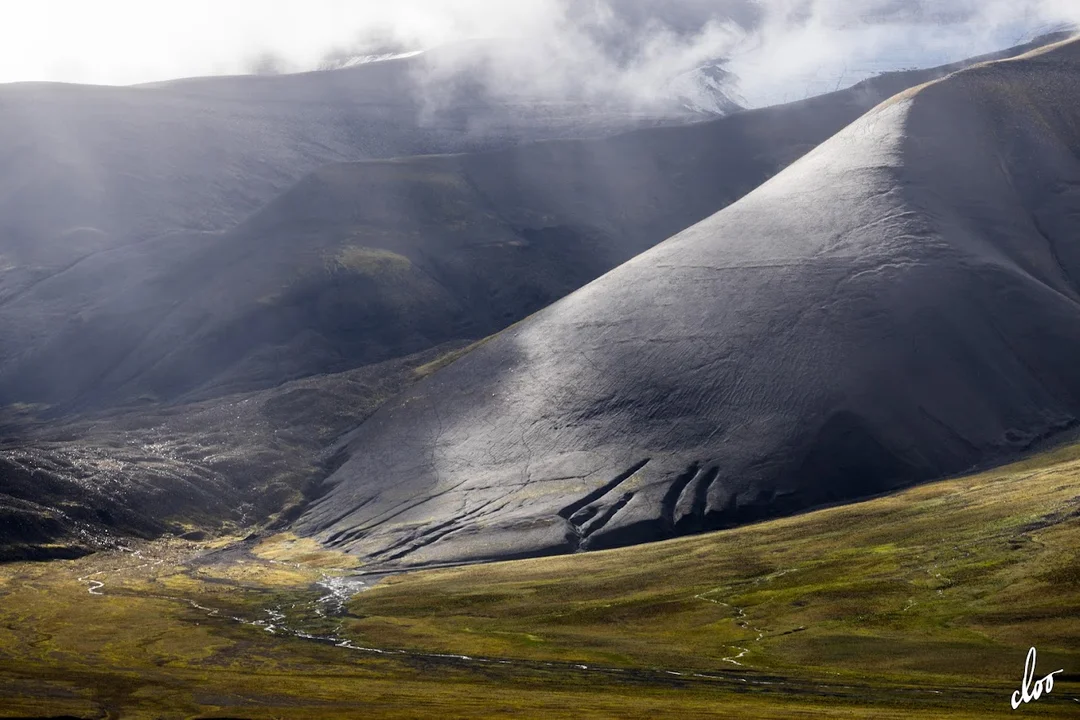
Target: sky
<point>130,41</point>
<point>779,49</point>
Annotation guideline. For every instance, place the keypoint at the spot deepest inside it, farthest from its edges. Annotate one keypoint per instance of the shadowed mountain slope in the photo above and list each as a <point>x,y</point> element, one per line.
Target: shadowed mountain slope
<point>86,168</point>
<point>70,487</point>
<point>363,262</point>
<point>901,304</point>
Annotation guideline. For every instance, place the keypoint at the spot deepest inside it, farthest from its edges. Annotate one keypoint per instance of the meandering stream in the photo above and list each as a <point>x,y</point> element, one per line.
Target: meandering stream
<point>338,590</point>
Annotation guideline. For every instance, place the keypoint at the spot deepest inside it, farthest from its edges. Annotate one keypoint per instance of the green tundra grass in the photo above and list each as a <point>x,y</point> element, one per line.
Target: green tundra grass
<point>917,605</point>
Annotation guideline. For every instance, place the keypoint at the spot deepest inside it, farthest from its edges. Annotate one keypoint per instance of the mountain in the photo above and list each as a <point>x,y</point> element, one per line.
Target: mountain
<point>70,486</point>
<point>179,384</point>
<point>89,168</point>
<point>360,263</point>
<point>901,304</point>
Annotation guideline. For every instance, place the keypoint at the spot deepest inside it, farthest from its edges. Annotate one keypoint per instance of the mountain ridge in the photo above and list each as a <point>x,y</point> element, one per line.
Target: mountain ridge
<point>888,314</point>
<point>494,236</point>
<point>142,356</point>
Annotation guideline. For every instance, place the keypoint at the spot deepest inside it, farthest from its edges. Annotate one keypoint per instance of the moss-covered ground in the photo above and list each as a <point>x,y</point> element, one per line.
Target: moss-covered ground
<point>917,605</point>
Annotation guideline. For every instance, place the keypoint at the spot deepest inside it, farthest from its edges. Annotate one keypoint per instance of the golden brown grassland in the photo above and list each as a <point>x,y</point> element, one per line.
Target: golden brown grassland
<point>920,604</point>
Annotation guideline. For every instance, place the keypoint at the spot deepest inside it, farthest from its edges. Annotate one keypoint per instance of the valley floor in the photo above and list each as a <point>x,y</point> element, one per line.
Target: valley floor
<point>920,604</point>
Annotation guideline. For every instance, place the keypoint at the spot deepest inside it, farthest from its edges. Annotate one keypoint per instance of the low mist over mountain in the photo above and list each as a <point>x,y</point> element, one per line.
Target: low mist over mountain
<point>93,167</point>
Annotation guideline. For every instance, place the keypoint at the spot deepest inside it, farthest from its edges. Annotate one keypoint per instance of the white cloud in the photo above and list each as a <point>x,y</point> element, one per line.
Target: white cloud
<point>129,41</point>
<point>806,47</point>
<point>786,49</point>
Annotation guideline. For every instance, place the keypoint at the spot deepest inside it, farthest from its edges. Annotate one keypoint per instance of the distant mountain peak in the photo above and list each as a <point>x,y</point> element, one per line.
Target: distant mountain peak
<point>708,89</point>
<point>348,60</point>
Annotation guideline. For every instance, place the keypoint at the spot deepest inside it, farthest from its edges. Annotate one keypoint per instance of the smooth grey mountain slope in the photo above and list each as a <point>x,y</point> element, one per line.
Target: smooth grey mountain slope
<point>355,264</point>
<point>359,263</point>
<point>899,305</point>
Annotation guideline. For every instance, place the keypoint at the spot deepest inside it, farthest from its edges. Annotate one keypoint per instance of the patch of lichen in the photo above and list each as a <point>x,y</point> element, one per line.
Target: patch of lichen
<point>372,262</point>
<point>303,552</point>
<point>447,359</point>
